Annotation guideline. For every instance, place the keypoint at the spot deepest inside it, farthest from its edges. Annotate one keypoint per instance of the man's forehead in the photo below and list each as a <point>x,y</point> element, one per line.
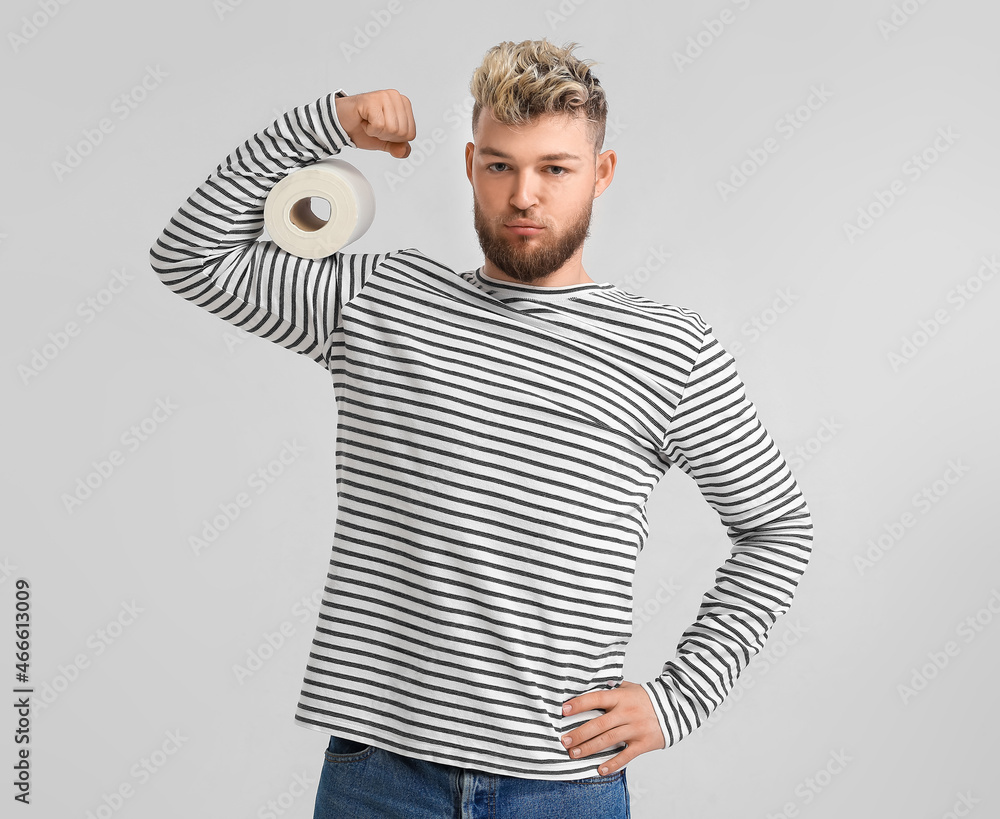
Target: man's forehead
<point>552,136</point>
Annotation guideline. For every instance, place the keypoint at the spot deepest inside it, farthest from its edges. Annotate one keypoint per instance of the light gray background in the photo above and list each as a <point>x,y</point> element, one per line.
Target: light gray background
<point>865,438</point>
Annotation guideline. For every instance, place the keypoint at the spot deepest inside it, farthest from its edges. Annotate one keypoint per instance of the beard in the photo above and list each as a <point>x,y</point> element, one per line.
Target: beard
<point>529,258</point>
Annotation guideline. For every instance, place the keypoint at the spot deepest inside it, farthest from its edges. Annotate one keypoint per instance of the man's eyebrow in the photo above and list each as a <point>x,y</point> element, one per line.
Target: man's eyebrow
<point>486,149</point>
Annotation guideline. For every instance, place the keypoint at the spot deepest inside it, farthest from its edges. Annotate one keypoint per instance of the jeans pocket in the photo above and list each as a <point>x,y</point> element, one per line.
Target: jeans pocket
<point>341,749</point>
<point>606,779</point>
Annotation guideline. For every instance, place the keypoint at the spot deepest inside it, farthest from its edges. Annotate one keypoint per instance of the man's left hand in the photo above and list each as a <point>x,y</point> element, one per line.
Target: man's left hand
<point>628,717</point>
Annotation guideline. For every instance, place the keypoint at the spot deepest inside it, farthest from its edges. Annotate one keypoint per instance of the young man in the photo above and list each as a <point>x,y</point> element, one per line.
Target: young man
<point>499,432</point>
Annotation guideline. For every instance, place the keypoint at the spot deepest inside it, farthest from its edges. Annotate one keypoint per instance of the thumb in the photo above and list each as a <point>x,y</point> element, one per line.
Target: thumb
<point>400,150</point>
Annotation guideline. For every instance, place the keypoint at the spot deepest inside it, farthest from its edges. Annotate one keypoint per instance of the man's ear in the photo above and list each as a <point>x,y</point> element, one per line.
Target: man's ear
<point>470,153</point>
<point>604,171</point>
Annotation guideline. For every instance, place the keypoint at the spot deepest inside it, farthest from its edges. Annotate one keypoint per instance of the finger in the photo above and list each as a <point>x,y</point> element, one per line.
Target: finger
<point>591,701</point>
<point>618,762</point>
<point>386,116</point>
<point>590,730</point>
<point>403,129</point>
<point>408,128</point>
<point>374,120</point>
<point>393,117</point>
<point>378,119</point>
<point>584,745</point>
<point>400,150</point>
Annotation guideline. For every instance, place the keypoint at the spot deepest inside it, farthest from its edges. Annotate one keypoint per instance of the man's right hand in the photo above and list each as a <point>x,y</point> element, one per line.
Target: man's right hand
<point>378,121</point>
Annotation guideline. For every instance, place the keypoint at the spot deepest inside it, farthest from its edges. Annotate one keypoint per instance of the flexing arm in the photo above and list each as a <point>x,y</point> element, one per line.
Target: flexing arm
<point>209,253</point>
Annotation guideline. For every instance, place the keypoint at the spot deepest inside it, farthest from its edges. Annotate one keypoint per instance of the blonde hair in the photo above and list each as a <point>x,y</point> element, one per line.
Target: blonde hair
<point>517,82</point>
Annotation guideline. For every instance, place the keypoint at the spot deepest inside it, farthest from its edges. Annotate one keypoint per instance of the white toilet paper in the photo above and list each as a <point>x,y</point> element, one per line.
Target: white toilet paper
<point>294,227</point>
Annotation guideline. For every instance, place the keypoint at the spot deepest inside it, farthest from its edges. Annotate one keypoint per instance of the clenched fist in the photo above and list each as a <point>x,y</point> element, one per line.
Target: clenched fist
<point>378,121</point>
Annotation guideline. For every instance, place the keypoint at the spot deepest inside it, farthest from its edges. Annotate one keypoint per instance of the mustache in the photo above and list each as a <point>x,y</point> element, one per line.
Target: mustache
<point>500,221</point>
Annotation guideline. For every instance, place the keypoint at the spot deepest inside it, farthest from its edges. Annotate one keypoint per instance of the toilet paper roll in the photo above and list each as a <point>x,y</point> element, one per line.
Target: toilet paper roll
<point>294,227</point>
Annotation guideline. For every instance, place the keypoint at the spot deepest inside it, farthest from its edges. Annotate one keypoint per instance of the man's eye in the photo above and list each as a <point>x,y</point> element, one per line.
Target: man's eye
<point>493,165</point>
<point>557,168</point>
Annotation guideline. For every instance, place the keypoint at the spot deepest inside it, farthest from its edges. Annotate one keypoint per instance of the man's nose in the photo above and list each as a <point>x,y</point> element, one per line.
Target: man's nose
<point>524,195</point>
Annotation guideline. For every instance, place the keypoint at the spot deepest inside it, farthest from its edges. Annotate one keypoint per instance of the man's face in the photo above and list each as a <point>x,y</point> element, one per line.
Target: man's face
<point>545,173</point>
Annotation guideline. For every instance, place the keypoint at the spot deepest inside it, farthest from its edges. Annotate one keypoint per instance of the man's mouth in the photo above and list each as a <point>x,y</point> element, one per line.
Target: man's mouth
<point>524,227</point>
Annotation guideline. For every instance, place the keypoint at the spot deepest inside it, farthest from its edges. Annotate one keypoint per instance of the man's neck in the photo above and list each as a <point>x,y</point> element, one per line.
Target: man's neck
<point>570,273</point>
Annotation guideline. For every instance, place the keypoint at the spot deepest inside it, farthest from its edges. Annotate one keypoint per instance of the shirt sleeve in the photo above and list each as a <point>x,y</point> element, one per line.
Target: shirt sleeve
<point>716,437</point>
<point>209,254</point>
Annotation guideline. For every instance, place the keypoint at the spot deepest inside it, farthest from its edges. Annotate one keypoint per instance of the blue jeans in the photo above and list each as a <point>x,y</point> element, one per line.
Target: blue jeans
<point>364,782</point>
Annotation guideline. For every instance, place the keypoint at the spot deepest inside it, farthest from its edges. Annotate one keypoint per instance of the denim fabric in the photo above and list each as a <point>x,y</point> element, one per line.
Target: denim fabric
<point>364,782</point>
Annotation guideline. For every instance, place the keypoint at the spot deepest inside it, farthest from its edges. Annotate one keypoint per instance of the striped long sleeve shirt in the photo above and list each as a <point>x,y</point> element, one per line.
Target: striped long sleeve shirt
<point>496,446</point>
